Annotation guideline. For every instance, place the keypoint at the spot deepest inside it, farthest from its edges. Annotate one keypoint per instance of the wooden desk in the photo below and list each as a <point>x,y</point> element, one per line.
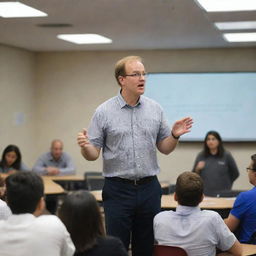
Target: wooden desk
<point>69,182</point>
<point>217,203</point>
<point>66,178</point>
<point>248,249</point>
<point>168,201</point>
<point>51,187</point>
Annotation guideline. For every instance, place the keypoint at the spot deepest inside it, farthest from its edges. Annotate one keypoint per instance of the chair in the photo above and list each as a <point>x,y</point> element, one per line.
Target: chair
<point>94,180</point>
<point>165,250</point>
<point>228,193</point>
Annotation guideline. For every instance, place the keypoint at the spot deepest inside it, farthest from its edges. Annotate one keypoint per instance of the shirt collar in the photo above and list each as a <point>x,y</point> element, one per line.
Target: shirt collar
<point>52,159</point>
<point>123,103</point>
<point>187,210</point>
<point>18,218</point>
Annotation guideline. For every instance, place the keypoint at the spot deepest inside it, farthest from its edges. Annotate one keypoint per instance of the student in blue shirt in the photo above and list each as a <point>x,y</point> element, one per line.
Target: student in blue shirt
<point>242,217</point>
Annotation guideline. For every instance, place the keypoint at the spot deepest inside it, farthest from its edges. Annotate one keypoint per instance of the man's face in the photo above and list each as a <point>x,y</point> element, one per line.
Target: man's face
<point>133,85</point>
<point>251,174</point>
<point>56,150</point>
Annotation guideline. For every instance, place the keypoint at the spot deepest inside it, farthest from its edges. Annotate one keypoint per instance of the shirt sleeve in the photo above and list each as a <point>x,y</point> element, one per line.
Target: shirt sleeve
<point>5,211</point>
<point>69,169</point>
<point>239,208</point>
<point>23,167</point>
<point>68,247</point>
<point>96,129</point>
<point>233,170</point>
<point>40,166</point>
<point>225,238</point>
<point>198,159</point>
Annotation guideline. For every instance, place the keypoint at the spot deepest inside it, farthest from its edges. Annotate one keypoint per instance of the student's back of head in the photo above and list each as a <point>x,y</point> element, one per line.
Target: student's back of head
<point>81,215</point>
<point>24,191</point>
<point>189,189</point>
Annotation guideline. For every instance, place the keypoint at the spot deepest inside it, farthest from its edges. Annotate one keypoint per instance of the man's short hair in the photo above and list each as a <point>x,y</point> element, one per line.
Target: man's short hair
<point>120,66</point>
<point>24,191</point>
<point>189,189</point>
<point>253,157</point>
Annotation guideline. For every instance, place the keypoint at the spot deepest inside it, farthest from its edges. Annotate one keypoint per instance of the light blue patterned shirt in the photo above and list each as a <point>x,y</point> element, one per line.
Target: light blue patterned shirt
<point>64,164</point>
<point>198,232</point>
<point>128,136</point>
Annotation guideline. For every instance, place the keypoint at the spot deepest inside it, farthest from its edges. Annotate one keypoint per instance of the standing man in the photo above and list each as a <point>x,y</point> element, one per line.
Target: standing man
<point>129,127</point>
<point>55,162</point>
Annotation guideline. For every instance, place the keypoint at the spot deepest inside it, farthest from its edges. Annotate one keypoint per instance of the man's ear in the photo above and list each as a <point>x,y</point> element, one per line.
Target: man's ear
<point>202,198</point>
<point>40,207</point>
<point>121,79</point>
<point>175,196</point>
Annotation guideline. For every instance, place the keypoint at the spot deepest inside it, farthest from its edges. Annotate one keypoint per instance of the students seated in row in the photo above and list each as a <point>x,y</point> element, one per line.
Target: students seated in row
<point>24,233</point>
<point>11,160</point>
<point>242,217</point>
<point>81,215</point>
<point>197,231</point>
<point>55,162</point>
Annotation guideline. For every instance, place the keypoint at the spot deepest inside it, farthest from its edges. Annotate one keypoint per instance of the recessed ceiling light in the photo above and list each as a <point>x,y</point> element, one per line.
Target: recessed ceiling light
<point>236,25</point>
<point>18,10</point>
<point>227,5</point>
<point>240,37</point>
<point>85,38</point>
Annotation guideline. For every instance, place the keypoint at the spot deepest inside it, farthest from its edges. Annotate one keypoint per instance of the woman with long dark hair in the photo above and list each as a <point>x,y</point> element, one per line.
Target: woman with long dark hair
<point>215,165</point>
<point>81,215</point>
<point>11,160</point>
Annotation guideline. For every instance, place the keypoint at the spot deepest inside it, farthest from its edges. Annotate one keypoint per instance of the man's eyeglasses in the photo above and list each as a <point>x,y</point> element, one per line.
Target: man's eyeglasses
<point>138,75</point>
<point>248,168</point>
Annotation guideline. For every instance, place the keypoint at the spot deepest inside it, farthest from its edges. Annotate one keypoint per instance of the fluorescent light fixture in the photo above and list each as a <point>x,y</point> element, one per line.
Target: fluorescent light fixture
<point>236,25</point>
<point>85,38</point>
<point>18,10</point>
<point>240,37</point>
<point>227,5</point>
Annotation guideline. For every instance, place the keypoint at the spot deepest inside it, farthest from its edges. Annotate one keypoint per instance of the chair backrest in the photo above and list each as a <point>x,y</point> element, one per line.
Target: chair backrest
<point>228,193</point>
<point>165,250</point>
<point>94,180</point>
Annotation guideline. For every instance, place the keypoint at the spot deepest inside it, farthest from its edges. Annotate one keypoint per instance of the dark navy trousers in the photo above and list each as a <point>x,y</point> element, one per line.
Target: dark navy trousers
<point>129,212</point>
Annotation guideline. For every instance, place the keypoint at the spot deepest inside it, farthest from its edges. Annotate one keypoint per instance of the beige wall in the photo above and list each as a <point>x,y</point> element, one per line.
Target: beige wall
<point>17,100</point>
<point>70,85</point>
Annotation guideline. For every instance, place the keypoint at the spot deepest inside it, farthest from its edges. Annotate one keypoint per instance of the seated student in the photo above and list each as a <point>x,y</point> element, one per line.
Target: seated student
<point>81,215</point>
<point>55,162</point>
<point>24,233</point>
<point>5,211</point>
<point>242,217</point>
<point>11,160</point>
<point>197,231</point>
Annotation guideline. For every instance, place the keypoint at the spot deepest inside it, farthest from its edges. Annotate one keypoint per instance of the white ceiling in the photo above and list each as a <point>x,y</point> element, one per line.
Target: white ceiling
<point>131,24</point>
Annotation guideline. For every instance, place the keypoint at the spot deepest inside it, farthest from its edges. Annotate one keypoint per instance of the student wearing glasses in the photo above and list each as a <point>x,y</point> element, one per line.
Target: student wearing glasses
<point>242,217</point>
<point>129,128</point>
